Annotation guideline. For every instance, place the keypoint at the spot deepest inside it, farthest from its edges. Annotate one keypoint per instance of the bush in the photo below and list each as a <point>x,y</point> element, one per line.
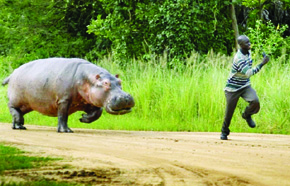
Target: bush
<point>133,28</point>
<point>268,38</point>
<point>34,29</point>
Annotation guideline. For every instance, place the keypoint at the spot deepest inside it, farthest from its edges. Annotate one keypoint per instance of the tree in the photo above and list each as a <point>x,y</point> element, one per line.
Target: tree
<point>234,23</point>
<point>177,27</point>
<point>259,9</point>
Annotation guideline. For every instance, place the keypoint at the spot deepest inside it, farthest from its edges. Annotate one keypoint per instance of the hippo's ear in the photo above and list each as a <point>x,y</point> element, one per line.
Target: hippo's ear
<point>117,75</point>
<point>94,79</point>
<point>97,80</point>
<point>98,77</point>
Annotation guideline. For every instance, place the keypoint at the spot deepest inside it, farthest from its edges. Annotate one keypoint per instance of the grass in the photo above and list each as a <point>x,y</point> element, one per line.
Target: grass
<point>186,98</point>
<point>12,158</point>
<point>40,183</point>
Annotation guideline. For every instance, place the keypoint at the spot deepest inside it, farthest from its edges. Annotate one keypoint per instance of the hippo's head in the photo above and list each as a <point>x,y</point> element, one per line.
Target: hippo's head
<point>106,91</point>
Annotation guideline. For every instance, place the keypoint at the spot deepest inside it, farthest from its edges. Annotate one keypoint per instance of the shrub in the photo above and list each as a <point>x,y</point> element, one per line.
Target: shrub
<point>268,38</point>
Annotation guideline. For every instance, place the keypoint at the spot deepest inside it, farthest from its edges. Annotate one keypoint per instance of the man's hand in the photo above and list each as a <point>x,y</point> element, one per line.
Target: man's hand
<point>265,60</point>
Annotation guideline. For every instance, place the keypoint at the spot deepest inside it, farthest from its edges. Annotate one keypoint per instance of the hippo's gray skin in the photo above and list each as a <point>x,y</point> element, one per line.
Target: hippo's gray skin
<point>60,87</point>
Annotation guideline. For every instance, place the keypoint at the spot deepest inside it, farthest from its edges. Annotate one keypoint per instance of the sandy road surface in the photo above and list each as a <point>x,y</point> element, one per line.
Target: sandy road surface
<point>156,158</point>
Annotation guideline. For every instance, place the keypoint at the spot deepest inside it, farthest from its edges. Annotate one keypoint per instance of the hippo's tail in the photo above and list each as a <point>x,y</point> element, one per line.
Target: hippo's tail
<point>6,81</point>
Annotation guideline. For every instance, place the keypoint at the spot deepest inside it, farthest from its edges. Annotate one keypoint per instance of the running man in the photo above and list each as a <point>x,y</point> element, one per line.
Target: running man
<point>238,85</point>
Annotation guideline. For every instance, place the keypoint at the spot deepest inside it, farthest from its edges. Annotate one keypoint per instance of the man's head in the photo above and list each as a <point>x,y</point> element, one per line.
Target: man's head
<point>244,42</point>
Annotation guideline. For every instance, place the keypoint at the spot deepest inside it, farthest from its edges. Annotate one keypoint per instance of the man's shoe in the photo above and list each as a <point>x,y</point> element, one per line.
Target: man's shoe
<point>224,136</point>
<point>249,120</point>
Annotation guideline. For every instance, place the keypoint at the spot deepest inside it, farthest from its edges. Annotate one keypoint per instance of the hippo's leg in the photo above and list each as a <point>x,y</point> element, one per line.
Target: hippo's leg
<point>63,117</point>
<point>93,113</point>
<point>18,119</point>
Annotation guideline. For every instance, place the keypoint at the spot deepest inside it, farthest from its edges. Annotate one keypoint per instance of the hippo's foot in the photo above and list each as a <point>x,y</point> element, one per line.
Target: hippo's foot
<point>64,130</point>
<point>18,126</point>
<point>91,116</point>
<point>87,118</point>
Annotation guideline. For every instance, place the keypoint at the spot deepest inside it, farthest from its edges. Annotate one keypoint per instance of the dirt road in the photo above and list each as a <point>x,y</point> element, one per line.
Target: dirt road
<point>155,158</point>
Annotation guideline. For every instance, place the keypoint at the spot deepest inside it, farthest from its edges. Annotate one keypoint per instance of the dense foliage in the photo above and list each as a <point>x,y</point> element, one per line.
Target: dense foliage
<point>32,29</point>
<point>126,29</point>
<point>177,27</point>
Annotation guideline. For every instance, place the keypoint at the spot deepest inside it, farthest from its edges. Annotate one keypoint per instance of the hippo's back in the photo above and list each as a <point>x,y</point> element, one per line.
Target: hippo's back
<point>43,73</point>
<point>40,84</point>
<point>48,66</point>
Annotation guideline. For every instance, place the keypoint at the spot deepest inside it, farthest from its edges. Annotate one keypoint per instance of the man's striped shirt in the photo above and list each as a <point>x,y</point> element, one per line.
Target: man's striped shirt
<point>241,72</point>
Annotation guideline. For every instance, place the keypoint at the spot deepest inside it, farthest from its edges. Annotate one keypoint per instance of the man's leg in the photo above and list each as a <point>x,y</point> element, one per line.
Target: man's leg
<point>251,97</point>
<point>232,99</point>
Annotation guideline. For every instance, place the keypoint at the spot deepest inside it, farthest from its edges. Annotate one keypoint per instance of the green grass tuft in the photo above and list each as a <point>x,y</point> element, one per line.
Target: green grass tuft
<point>12,158</point>
<point>40,183</point>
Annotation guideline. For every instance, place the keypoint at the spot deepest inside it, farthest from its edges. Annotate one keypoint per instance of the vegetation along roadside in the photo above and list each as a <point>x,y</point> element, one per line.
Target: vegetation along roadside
<point>13,161</point>
<point>172,56</point>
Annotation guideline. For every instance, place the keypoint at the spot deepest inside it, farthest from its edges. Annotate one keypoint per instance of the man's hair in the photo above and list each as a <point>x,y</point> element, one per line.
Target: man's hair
<point>241,39</point>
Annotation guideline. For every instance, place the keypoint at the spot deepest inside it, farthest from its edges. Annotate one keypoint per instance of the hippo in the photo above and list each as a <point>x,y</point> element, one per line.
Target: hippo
<point>58,87</point>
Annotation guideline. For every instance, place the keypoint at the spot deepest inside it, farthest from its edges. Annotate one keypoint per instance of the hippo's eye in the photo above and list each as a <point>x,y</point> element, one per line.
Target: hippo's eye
<point>107,83</point>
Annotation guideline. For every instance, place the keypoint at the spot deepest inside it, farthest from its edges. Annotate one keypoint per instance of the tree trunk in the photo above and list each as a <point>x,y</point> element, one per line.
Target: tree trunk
<point>234,24</point>
<point>260,10</point>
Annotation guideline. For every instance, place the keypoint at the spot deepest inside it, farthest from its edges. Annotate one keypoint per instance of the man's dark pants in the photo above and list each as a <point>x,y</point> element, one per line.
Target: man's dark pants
<point>232,98</point>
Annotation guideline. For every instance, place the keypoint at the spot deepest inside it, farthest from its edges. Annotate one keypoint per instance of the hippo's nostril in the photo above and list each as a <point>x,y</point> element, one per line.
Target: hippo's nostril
<point>113,100</point>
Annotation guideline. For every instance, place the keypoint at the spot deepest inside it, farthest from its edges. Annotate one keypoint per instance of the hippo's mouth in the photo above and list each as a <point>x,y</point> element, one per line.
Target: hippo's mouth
<point>117,111</point>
